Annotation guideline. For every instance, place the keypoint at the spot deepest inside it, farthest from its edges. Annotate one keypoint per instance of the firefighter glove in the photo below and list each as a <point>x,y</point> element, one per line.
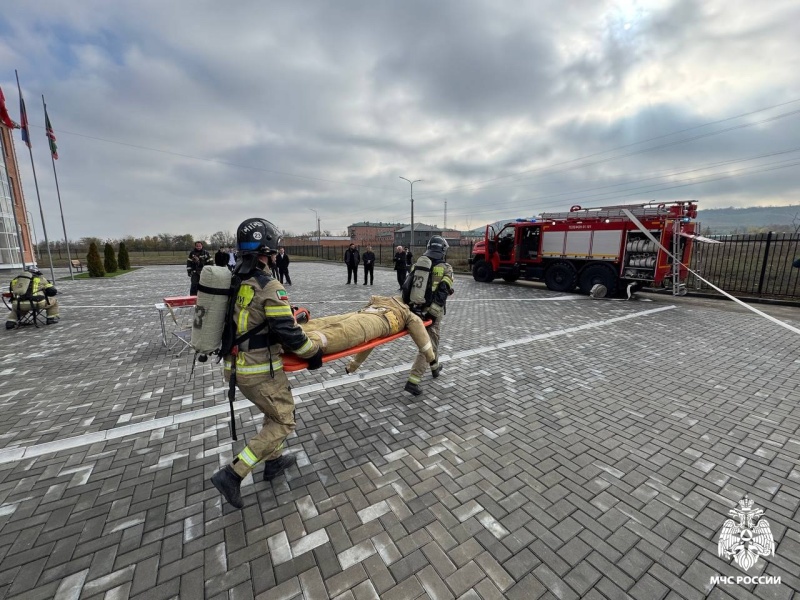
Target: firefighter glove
<point>435,311</point>
<point>51,291</point>
<point>315,362</point>
<point>441,293</point>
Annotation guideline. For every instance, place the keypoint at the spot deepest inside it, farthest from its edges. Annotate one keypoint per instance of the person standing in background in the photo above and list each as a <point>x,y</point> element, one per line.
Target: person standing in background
<point>231,259</point>
<point>273,266</point>
<point>198,258</point>
<point>220,258</point>
<point>400,265</point>
<point>351,258</point>
<point>409,258</point>
<point>369,265</point>
<point>282,262</point>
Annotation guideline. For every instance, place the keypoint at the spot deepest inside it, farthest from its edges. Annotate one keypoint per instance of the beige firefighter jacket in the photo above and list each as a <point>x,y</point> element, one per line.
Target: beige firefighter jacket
<point>262,298</point>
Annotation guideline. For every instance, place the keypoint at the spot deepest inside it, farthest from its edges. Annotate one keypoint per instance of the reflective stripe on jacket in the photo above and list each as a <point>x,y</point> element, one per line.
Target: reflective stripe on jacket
<point>262,298</point>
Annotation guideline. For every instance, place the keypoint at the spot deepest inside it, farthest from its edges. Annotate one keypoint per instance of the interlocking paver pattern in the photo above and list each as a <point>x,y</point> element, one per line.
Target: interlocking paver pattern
<point>572,448</point>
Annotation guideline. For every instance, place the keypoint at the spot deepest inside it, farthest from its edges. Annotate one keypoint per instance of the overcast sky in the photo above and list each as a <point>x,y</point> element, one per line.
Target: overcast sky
<point>189,117</point>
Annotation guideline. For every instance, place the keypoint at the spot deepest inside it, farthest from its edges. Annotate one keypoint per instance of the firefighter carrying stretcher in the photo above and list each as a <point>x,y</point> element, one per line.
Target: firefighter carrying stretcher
<point>258,324</point>
<point>261,322</point>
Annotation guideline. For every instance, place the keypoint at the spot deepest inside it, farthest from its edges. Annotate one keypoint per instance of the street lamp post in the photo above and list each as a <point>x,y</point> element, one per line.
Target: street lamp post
<point>319,240</point>
<point>411,245</point>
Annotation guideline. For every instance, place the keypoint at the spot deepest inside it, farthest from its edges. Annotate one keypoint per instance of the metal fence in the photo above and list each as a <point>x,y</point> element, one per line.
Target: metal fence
<point>748,265</point>
<point>384,255</point>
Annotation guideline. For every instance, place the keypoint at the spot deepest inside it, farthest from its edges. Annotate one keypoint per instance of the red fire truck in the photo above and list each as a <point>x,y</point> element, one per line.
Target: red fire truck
<point>589,246</point>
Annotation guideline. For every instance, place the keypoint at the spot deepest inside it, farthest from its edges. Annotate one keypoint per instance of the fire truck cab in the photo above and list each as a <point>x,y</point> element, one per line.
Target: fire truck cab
<point>585,247</point>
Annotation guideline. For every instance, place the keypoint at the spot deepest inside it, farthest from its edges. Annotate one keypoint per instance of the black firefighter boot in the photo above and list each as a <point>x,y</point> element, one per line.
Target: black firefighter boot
<point>413,388</point>
<point>273,468</point>
<point>229,483</point>
<point>436,369</point>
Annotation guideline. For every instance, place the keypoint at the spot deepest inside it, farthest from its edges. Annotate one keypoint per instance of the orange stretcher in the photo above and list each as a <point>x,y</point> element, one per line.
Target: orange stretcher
<point>292,362</point>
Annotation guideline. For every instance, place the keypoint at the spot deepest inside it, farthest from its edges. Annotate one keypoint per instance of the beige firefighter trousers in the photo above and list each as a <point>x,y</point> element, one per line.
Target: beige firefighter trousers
<point>51,308</point>
<point>273,397</point>
<point>422,361</point>
<point>340,332</point>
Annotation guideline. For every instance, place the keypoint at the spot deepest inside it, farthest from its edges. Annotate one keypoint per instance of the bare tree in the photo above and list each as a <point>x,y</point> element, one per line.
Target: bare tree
<point>222,239</point>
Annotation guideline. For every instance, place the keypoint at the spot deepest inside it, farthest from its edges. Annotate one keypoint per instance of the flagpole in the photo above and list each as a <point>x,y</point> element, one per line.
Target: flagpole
<point>38,197</point>
<point>58,192</point>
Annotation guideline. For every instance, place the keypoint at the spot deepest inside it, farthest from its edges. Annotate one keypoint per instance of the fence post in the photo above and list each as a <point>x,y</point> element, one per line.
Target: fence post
<point>764,263</point>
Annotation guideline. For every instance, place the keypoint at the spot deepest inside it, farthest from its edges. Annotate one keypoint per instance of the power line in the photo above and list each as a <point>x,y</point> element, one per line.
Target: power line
<point>643,190</point>
<point>575,192</point>
<point>549,170</point>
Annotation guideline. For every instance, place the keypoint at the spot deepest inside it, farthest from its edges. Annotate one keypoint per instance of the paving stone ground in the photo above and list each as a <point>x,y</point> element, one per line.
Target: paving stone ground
<point>571,448</point>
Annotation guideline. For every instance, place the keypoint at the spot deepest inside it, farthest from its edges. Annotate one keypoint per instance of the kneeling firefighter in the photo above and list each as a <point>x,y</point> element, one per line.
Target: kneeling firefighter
<point>258,323</point>
<point>425,291</point>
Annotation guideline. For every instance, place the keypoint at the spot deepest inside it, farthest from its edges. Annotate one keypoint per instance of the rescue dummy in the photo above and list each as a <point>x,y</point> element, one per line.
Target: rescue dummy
<point>260,323</point>
<point>31,291</point>
<point>383,316</point>
<point>426,290</point>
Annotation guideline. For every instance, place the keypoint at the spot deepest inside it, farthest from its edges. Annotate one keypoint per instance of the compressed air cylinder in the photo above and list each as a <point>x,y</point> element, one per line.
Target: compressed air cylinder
<point>209,312</point>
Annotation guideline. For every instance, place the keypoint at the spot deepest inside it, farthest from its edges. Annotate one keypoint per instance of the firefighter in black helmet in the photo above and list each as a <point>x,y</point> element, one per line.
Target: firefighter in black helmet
<point>425,290</point>
<point>254,363</point>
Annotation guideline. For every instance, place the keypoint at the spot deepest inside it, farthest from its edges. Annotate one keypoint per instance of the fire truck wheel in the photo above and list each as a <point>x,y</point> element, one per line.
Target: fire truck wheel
<point>602,274</point>
<point>560,277</point>
<point>482,271</point>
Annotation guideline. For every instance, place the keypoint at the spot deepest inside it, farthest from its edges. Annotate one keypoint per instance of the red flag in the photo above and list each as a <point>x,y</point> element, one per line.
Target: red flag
<point>5,118</point>
<point>51,137</point>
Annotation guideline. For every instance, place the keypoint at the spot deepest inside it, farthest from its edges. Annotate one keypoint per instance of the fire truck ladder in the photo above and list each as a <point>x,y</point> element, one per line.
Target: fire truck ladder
<point>613,212</point>
<point>678,288</point>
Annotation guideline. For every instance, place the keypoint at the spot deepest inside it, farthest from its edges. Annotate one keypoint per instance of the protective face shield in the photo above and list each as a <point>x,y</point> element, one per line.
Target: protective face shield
<point>437,247</point>
<point>257,236</point>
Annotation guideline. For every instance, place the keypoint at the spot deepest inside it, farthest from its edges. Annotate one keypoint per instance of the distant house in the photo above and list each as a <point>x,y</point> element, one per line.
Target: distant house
<point>366,232</point>
<point>422,233</point>
<point>324,241</point>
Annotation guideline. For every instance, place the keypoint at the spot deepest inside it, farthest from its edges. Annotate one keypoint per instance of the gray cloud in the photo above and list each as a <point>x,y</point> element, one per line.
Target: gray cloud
<point>189,121</point>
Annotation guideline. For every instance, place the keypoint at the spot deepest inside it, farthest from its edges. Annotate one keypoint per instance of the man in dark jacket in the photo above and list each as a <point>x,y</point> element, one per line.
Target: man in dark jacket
<point>221,258</point>
<point>198,258</point>
<point>282,262</point>
<point>369,265</point>
<point>400,265</point>
<point>351,258</point>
